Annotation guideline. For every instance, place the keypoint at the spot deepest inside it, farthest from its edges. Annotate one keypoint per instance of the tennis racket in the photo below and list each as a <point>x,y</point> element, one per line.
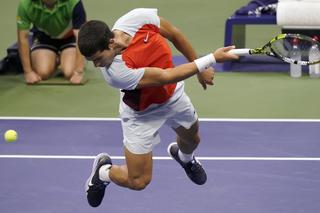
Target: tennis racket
<point>283,46</point>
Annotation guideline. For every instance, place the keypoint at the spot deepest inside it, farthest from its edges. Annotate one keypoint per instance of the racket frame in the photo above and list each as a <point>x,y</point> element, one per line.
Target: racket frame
<point>267,49</point>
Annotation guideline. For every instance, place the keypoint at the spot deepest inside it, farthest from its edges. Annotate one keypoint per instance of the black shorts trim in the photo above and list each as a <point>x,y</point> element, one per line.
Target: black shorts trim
<point>42,41</point>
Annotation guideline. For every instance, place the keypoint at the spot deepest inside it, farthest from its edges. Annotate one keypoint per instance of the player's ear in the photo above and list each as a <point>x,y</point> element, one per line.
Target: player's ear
<point>111,44</point>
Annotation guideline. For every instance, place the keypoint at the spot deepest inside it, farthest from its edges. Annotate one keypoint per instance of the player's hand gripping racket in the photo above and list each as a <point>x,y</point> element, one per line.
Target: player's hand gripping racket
<point>282,47</point>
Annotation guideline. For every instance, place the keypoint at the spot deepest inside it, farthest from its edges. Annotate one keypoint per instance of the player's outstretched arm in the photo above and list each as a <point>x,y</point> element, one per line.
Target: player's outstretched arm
<point>157,76</point>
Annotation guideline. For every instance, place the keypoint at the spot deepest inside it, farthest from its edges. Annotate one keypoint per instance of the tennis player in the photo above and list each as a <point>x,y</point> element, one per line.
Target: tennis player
<point>135,58</point>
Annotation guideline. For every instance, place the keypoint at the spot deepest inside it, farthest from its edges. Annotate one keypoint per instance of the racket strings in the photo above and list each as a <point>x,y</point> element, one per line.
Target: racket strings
<point>294,48</point>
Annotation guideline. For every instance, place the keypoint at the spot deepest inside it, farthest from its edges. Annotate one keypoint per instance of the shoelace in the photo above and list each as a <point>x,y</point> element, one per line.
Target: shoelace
<point>196,166</point>
<point>98,184</point>
<point>98,187</point>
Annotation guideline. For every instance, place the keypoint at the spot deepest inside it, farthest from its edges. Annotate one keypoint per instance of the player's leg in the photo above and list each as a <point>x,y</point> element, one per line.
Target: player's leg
<point>185,124</point>
<point>43,62</point>
<point>188,139</point>
<point>183,153</point>
<point>140,135</point>
<point>136,174</point>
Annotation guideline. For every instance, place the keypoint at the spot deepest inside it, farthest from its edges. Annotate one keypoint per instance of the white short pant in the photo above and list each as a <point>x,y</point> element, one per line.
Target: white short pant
<point>140,133</point>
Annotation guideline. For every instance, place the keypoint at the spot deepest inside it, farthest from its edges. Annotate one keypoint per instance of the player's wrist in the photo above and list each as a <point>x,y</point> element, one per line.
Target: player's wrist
<point>205,62</point>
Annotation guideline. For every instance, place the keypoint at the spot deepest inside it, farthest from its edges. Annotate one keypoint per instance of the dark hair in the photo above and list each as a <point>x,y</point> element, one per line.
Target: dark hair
<point>94,36</point>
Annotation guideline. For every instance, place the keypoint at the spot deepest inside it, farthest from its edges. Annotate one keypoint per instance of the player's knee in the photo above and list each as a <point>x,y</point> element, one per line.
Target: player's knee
<point>139,183</point>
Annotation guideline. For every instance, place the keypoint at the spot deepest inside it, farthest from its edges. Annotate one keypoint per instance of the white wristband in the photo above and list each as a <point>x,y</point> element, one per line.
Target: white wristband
<point>205,62</point>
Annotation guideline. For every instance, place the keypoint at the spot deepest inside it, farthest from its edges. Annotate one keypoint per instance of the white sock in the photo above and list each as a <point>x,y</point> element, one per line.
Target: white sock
<point>104,173</point>
<point>185,157</point>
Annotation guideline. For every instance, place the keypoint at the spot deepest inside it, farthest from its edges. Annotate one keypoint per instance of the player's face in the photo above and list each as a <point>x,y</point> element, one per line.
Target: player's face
<point>102,58</point>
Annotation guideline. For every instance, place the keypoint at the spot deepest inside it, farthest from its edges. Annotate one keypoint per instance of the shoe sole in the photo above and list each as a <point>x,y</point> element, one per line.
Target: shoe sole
<point>96,160</point>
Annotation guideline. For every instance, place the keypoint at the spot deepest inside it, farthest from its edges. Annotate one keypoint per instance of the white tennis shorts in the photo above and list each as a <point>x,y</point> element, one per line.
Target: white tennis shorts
<point>140,133</point>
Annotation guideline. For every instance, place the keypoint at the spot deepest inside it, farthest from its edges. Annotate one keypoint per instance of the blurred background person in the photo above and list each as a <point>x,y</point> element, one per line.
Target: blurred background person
<point>54,25</point>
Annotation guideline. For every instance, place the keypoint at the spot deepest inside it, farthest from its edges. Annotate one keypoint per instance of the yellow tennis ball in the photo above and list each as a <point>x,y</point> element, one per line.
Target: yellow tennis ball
<point>10,135</point>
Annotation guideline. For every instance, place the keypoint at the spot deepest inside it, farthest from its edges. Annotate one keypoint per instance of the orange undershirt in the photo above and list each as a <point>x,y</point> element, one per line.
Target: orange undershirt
<point>148,49</point>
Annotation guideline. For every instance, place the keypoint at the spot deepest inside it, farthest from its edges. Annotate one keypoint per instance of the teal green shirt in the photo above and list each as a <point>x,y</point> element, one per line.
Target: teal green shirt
<point>56,22</point>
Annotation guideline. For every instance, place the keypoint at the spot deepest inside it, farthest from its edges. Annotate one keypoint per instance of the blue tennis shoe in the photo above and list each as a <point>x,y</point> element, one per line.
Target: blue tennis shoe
<point>95,187</point>
<point>192,168</point>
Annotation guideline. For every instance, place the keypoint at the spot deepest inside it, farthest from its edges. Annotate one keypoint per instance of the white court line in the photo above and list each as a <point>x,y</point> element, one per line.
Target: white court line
<point>83,157</point>
<point>165,158</point>
<point>201,119</point>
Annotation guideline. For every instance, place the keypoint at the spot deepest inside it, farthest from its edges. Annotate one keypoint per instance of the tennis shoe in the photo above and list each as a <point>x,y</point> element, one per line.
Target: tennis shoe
<point>192,168</point>
<point>95,187</point>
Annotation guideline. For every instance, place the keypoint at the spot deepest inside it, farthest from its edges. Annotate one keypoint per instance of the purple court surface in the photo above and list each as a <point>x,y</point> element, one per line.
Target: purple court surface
<point>253,166</point>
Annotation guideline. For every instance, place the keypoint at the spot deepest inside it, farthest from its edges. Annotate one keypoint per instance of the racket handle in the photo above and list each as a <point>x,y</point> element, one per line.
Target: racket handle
<point>240,52</point>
